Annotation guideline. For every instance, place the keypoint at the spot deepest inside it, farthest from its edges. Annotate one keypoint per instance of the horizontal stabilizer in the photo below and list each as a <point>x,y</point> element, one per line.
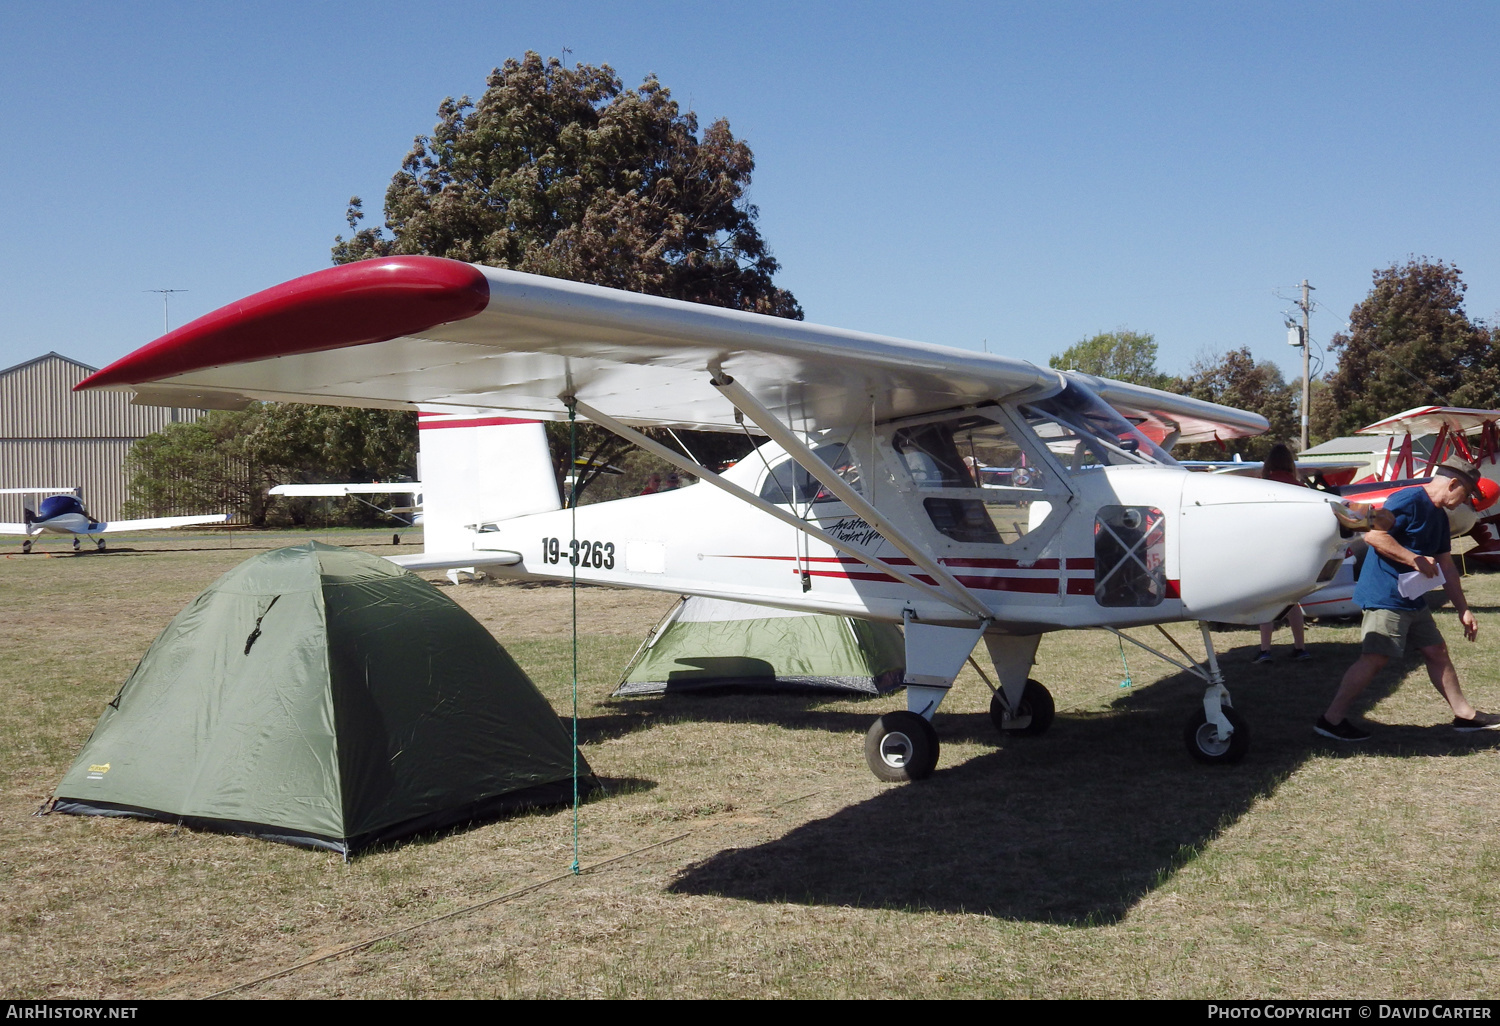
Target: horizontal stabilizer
<point>13,529</point>
<point>455,560</point>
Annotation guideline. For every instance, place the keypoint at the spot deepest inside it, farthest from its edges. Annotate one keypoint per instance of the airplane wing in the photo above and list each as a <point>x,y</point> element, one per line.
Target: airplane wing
<point>1160,414</point>
<point>456,560</point>
<point>37,491</point>
<point>157,523</point>
<point>398,331</point>
<point>1429,420</point>
<point>333,490</point>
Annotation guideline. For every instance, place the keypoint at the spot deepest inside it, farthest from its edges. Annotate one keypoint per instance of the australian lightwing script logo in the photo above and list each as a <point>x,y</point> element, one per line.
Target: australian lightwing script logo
<point>855,531</point>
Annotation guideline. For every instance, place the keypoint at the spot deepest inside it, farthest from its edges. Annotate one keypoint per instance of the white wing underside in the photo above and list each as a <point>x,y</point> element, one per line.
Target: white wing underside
<point>647,361</point>
<point>157,523</point>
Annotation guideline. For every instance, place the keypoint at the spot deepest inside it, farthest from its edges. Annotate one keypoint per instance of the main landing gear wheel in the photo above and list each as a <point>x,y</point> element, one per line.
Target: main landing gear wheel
<point>901,746</point>
<point>98,544</point>
<point>1204,743</point>
<point>75,544</point>
<point>1032,716</point>
<point>26,545</point>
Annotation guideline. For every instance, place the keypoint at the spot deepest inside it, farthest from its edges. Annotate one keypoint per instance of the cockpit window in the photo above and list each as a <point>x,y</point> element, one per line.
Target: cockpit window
<point>981,486</point>
<point>788,483</point>
<point>1084,431</point>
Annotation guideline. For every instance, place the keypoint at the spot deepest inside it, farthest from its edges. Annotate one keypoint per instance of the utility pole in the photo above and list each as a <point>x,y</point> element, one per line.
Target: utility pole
<point>1306,305</point>
<point>166,314</point>
<point>1301,339</point>
<point>166,324</point>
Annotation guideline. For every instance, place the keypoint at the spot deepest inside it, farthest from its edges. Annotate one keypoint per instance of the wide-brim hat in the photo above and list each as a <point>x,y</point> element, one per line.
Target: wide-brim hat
<point>1462,469</point>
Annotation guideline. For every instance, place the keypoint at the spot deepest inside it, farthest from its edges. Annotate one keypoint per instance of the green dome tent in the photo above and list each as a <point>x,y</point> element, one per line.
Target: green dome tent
<point>324,697</point>
<point>705,643</point>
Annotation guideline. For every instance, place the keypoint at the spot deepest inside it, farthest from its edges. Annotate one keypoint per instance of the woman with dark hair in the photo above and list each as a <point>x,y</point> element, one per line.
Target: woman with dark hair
<point>1280,466</point>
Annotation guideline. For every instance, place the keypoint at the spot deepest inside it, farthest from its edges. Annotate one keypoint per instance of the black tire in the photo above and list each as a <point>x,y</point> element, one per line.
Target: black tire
<point>1033,715</point>
<point>75,543</point>
<point>99,545</point>
<point>1202,739</point>
<point>901,746</point>
<point>26,545</point>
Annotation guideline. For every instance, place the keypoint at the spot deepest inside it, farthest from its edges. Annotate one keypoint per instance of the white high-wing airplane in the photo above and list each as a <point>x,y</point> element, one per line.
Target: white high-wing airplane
<point>861,504</point>
<point>62,512</point>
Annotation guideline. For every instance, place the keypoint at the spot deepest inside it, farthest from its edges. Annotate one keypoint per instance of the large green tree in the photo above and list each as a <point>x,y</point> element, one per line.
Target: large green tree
<point>1121,354</point>
<point>565,172</point>
<point>1236,379</point>
<point>1410,343</point>
<point>227,460</point>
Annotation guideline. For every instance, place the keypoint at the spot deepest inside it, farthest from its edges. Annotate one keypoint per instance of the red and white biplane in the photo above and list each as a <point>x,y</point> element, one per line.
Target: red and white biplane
<point>1417,441</point>
<point>866,501</point>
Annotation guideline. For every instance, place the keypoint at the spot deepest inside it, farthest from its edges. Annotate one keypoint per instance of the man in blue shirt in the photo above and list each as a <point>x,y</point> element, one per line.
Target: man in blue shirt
<point>1410,534</point>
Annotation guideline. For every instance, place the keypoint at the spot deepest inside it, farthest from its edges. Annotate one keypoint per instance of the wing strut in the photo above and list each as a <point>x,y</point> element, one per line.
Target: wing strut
<point>704,474</point>
<point>799,451</point>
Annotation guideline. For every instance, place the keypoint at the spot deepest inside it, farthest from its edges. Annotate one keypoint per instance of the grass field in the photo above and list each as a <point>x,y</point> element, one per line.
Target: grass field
<point>761,857</point>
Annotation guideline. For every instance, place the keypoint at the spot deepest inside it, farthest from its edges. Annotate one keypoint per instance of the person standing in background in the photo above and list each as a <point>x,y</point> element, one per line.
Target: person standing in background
<point>1280,466</point>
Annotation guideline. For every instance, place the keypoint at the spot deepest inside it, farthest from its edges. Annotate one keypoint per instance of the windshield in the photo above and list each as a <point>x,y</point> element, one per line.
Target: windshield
<point>1084,431</point>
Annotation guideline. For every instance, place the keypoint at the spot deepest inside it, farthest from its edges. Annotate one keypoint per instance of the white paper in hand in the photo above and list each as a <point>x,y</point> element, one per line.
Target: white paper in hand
<point>1412,585</point>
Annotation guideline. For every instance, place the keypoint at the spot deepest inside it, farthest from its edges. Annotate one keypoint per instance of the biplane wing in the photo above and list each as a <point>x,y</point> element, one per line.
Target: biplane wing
<point>1431,420</point>
<point>398,331</point>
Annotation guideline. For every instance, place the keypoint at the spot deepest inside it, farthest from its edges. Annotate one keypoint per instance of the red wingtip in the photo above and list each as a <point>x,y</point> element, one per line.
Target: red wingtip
<point>349,305</point>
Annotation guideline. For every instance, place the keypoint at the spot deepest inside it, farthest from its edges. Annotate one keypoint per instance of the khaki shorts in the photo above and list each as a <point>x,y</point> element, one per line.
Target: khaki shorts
<point>1387,631</point>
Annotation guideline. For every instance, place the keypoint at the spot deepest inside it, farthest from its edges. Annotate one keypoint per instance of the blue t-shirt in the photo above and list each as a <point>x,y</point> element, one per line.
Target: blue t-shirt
<point>1421,527</point>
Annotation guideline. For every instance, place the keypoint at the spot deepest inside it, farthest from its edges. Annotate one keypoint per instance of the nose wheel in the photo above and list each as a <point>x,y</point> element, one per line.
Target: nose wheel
<point>1207,744</point>
<point>901,746</point>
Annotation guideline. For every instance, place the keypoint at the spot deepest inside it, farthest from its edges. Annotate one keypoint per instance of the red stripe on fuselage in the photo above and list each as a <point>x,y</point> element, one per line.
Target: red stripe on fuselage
<point>970,563</point>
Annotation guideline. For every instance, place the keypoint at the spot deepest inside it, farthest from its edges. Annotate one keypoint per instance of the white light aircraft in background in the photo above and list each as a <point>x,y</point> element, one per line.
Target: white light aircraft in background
<point>410,514</point>
<point>861,504</point>
<point>62,512</point>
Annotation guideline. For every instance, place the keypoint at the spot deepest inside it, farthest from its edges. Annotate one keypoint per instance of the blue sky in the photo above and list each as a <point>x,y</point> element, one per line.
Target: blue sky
<point>1020,175</point>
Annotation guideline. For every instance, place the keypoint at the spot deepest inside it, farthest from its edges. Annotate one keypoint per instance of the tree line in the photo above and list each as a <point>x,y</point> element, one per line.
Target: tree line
<point>1409,343</point>
<point>565,172</point>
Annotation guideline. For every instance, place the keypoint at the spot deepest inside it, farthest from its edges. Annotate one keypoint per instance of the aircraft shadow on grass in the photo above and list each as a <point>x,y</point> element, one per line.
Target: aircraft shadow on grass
<point>1072,827</point>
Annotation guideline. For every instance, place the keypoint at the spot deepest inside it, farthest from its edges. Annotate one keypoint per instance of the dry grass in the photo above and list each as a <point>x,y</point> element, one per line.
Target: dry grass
<point>1095,861</point>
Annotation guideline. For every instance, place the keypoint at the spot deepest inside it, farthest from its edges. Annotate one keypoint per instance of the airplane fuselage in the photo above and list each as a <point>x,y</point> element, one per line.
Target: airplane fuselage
<point>1073,547</point>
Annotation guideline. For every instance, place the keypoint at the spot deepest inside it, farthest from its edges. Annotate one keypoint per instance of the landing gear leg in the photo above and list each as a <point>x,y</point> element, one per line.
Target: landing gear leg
<point>1215,733</point>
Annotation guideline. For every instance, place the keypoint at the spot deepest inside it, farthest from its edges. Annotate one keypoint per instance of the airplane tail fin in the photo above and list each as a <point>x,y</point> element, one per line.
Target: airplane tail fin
<point>480,466</point>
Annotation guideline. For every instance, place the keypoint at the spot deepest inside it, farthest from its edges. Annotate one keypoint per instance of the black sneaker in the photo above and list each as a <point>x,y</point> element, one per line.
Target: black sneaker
<point>1343,731</point>
<point>1263,657</point>
<point>1480,721</point>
